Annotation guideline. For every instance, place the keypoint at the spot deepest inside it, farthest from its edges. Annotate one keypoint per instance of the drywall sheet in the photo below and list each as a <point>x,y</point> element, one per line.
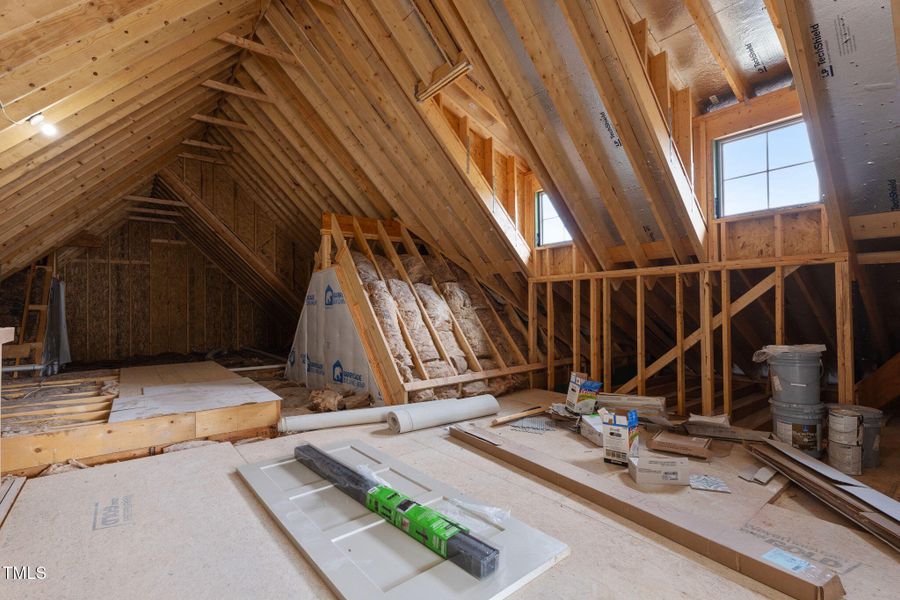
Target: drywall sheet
<point>327,350</point>
<point>183,387</point>
<point>363,557</point>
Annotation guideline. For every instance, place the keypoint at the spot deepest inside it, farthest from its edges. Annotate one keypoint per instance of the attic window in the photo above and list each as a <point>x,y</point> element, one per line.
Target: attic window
<point>768,168</point>
<point>550,229</point>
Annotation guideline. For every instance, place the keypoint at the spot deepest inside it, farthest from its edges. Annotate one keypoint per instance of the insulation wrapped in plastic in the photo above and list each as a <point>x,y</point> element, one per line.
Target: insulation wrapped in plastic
<point>364,267</point>
<point>419,335</point>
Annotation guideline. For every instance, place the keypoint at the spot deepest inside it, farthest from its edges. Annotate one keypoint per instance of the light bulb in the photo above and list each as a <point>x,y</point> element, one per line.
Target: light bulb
<point>36,119</point>
<point>49,129</point>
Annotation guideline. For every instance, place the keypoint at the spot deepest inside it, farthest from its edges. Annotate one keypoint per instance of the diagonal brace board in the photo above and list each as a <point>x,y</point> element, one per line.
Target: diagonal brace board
<point>736,306</point>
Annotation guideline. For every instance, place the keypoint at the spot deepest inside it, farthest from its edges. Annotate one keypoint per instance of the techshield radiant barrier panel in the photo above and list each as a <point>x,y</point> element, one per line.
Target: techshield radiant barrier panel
<point>361,556</point>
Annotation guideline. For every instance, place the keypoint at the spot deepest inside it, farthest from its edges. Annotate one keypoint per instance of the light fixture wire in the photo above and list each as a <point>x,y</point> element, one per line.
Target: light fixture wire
<point>10,119</point>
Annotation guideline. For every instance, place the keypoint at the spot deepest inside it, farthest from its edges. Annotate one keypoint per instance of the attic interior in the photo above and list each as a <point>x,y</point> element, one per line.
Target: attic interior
<point>457,298</point>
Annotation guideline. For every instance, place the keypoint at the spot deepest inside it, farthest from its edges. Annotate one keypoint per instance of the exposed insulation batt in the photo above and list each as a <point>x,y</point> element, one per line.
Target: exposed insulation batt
<point>437,267</point>
<point>412,318</point>
<point>386,311</point>
<point>386,267</point>
<point>439,313</point>
<point>416,268</point>
<point>364,267</point>
<point>461,305</point>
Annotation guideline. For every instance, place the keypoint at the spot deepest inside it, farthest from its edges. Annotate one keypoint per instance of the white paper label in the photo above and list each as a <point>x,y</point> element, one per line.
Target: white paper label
<point>786,560</point>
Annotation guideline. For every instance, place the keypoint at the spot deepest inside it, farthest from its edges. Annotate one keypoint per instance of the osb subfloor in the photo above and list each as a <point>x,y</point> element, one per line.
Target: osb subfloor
<point>184,525</point>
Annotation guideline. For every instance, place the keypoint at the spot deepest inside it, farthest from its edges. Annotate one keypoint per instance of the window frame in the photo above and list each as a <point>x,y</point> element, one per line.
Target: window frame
<point>718,170</point>
<point>539,223</point>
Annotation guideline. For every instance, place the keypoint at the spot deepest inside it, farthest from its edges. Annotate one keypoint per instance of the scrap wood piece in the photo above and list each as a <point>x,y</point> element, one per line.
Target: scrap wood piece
<point>663,441</point>
<point>868,508</point>
<point>745,554</point>
<point>534,410</point>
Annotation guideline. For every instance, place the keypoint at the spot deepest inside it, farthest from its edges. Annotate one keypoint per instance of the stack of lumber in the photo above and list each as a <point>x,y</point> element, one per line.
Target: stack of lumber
<point>868,508</point>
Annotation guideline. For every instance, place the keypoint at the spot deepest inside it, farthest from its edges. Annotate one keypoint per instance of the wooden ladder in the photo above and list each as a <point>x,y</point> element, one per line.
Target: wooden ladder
<point>30,351</point>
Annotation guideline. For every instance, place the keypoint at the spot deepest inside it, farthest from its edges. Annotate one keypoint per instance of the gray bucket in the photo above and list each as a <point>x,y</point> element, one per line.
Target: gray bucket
<point>871,438</point>
<point>800,425</point>
<point>795,377</point>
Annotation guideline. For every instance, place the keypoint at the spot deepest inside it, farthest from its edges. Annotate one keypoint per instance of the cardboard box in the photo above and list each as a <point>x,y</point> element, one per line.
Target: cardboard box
<point>620,430</point>
<point>581,398</point>
<point>755,558</point>
<point>647,467</point>
<point>591,427</point>
<point>687,445</point>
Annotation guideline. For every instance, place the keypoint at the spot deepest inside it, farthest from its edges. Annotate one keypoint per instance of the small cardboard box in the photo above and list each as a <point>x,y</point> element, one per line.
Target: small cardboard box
<point>591,427</point>
<point>620,429</point>
<point>647,467</point>
<point>687,445</point>
<point>574,402</point>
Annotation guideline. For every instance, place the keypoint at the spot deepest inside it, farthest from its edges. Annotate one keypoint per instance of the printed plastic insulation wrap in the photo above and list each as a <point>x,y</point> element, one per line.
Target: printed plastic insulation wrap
<point>327,351</point>
<point>853,55</point>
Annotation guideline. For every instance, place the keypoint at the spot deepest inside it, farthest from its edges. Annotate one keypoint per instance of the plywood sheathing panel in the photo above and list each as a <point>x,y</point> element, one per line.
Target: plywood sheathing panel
<point>124,300</point>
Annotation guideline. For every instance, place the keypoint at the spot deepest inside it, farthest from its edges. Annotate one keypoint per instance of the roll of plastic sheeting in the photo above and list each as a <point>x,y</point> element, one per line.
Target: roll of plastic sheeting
<point>431,414</point>
<point>362,416</point>
<point>341,418</point>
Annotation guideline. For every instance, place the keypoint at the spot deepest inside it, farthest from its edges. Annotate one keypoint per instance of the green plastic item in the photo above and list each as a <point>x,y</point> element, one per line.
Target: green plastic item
<point>425,525</point>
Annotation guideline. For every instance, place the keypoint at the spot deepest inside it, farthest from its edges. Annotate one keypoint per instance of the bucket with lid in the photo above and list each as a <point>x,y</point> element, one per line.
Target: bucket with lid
<point>795,372</point>
<point>800,425</point>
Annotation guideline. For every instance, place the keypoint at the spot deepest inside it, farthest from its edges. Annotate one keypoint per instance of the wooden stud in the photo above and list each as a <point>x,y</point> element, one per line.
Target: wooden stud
<point>706,344</point>
<point>725,278</point>
<point>551,339</point>
<point>532,322</point>
<point>641,341</point>
<point>607,336</point>
<point>679,342</point>
<point>779,305</point>
<point>844,326</point>
<point>576,325</point>
<point>595,324</point>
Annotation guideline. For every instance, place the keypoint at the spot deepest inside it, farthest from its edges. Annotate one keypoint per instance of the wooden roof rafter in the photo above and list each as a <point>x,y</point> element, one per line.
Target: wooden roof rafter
<point>702,14</point>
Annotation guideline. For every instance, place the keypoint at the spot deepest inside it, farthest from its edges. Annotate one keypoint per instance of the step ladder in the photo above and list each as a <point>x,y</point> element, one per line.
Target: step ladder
<point>29,349</point>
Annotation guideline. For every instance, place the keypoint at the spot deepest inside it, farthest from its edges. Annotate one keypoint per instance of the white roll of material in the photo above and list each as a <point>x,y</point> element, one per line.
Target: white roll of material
<point>341,418</point>
<point>431,414</point>
<point>362,416</point>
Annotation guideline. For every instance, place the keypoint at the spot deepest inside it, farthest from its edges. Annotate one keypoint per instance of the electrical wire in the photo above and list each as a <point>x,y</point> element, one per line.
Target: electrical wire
<point>10,119</point>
